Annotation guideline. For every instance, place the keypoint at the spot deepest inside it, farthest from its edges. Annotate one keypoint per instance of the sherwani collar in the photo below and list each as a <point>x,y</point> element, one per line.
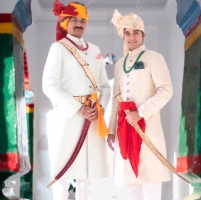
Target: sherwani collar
<point>137,51</point>
<point>78,41</point>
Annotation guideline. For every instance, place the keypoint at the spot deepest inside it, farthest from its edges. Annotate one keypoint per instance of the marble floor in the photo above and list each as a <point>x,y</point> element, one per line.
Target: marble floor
<point>104,189</point>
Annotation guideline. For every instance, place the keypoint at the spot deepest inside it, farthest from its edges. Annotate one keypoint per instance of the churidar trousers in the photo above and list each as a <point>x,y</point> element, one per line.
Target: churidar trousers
<point>145,192</point>
<point>60,190</point>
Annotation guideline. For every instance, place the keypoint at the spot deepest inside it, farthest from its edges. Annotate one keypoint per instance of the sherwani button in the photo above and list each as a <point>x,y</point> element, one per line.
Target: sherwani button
<point>90,86</point>
<point>127,91</point>
<point>131,60</point>
<point>87,64</point>
<point>127,75</point>
<point>127,83</point>
<point>86,53</point>
<point>127,99</point>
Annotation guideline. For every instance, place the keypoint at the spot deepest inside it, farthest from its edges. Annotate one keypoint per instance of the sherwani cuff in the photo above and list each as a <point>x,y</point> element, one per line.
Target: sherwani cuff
<point>72,108</point>
<point>143,111</point>
<point>140,114</point>
<point>111,132</point>
<point>112,128</point>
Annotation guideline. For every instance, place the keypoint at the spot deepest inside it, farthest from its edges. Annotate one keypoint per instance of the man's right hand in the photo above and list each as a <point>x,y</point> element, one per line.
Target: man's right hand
<point>110,141</point>
<point>88,113</point>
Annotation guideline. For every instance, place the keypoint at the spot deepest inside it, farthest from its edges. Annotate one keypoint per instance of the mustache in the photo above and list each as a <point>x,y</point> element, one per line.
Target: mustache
<point>78,27</point>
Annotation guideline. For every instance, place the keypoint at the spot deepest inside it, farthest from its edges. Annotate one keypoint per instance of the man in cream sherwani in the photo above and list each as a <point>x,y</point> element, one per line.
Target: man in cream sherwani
<point>149,86</point>
<point>63,80</point>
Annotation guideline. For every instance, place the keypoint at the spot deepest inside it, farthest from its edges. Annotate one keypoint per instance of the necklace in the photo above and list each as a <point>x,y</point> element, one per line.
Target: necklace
<point>79,47</point>
<point>133,64</point>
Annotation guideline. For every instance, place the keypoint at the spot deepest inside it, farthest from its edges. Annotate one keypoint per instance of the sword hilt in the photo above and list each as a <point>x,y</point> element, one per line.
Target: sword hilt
<point>118,97</point>
<point>92,102</point>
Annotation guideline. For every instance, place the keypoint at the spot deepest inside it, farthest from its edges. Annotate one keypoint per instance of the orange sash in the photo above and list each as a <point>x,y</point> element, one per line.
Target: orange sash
<point>102,128</point>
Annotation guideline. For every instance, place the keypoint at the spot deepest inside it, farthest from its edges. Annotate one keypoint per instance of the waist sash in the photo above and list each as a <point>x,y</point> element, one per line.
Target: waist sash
<point>129,140</point>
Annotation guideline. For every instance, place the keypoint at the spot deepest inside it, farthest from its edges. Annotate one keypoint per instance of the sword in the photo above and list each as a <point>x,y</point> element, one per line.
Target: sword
<point>150,144</point>
<point>77,148</point>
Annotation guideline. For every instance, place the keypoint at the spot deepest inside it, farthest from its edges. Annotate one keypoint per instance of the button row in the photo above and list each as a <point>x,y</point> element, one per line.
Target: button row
<point>82,46</point>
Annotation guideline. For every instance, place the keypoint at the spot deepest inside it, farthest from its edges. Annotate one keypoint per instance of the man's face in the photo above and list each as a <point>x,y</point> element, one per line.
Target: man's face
<point>77,26</point>
<point>133,38</point>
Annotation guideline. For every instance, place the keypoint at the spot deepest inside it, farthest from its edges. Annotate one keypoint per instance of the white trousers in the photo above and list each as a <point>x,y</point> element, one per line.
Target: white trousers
<point>145,192</point>
<point>60,190</point>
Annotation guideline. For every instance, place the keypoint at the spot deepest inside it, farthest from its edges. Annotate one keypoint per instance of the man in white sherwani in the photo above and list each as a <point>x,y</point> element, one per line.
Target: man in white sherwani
<point>143,81</point>
<point>68,87</point>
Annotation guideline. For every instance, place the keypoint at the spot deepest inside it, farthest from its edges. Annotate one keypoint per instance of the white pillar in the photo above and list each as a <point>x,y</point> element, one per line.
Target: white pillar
<point>180,188</point>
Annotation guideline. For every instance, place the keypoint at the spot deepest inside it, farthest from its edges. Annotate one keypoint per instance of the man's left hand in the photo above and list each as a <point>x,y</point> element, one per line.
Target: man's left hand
<point>133,117</point>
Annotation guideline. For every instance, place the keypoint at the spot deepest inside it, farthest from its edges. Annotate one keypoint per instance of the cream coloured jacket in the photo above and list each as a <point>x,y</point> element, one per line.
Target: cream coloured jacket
<point>150,88</point>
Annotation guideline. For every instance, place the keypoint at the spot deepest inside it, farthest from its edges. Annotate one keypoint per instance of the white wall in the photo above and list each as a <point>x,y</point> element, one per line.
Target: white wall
<point>162,35</point>
<point>38,38</point>
<point>180,189</point>
<point>7,6</point>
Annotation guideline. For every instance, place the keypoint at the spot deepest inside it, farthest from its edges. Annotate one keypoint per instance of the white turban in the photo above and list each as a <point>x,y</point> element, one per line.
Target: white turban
<point>131,21</point>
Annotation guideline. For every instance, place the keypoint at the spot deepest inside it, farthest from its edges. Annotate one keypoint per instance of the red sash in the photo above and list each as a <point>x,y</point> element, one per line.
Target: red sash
<point>129,140</point>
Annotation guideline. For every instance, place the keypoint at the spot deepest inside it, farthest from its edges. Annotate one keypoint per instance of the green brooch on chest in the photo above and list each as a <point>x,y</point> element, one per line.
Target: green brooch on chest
<point>137,64</point>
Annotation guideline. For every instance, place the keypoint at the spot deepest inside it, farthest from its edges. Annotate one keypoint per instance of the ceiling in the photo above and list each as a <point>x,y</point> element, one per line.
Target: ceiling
<point>47,4</point>
<point>101,10</point>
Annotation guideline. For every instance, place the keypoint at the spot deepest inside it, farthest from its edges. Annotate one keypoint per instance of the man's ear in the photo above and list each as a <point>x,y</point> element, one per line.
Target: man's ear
<point>144,35</point>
